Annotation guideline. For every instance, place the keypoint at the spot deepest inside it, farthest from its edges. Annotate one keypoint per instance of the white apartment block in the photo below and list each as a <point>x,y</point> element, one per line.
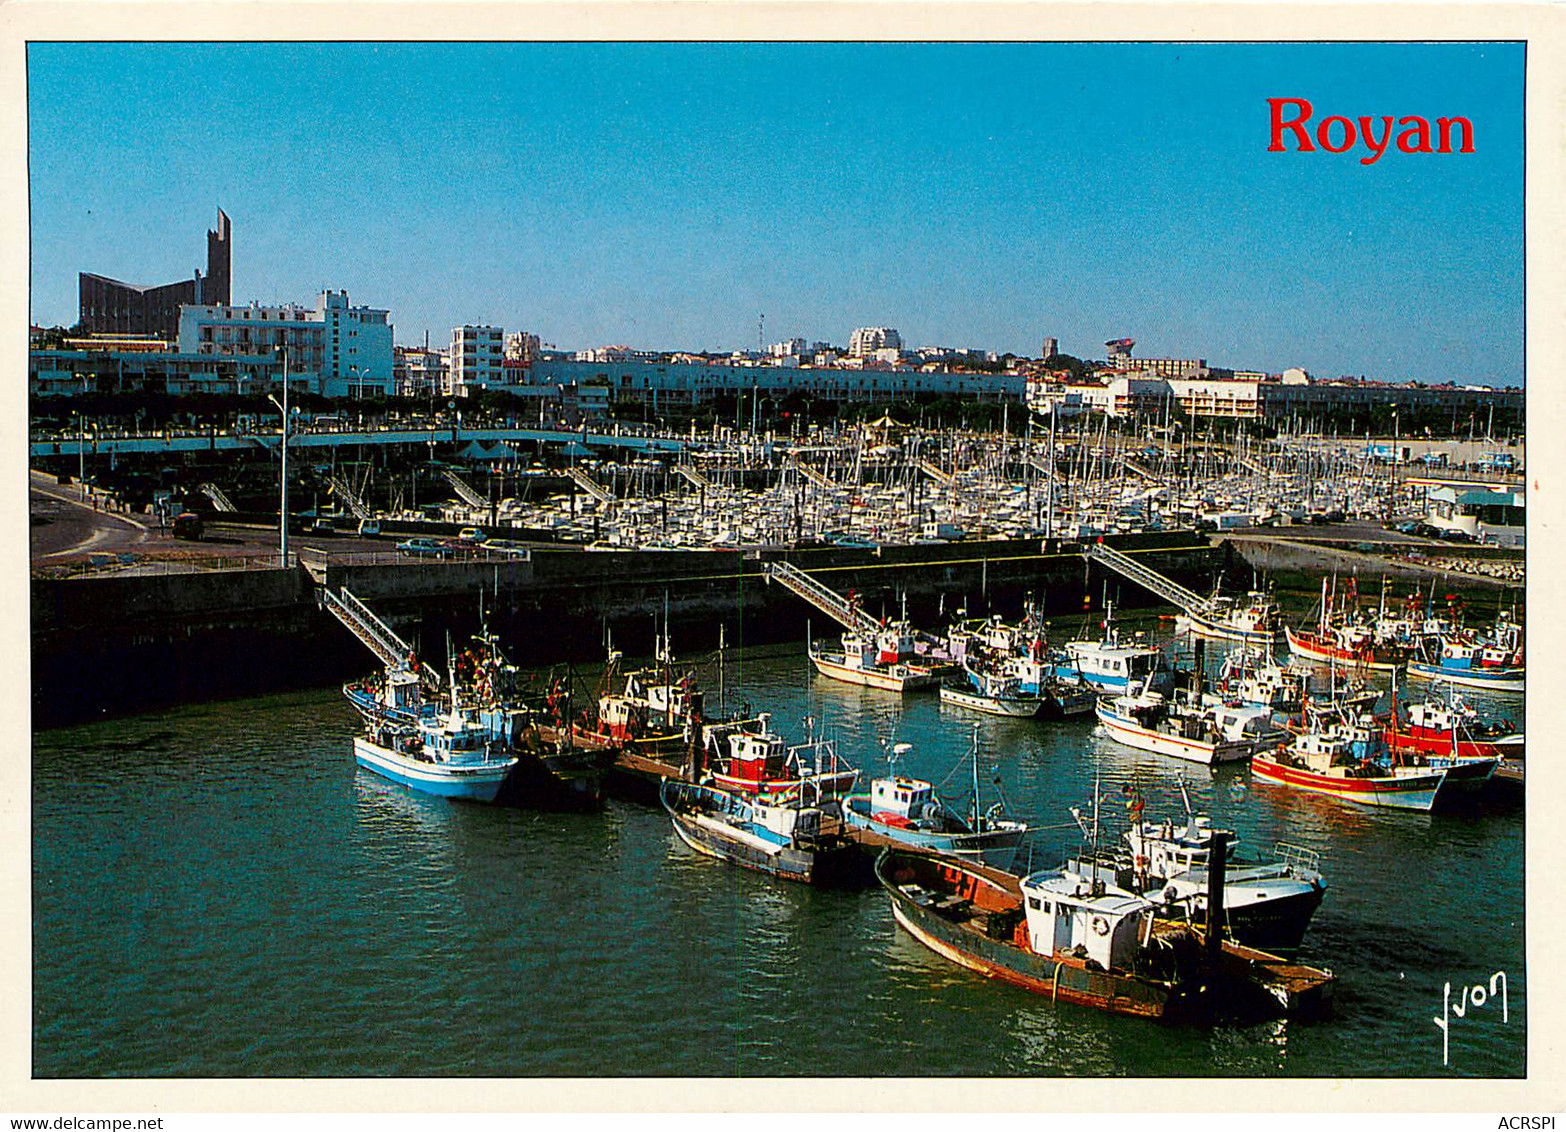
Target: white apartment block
<point>522,347</point>
<point>477,358</point>
<point>866,340</point>
<point>334,349</point>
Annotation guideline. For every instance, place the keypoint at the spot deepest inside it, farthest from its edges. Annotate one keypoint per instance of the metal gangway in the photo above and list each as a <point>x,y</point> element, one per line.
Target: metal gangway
<point>348,497</point>
<point>823,597</point>
<point>929,468</point>
<point>465,491</point>
<point>591,486</point>
<point>390,649</point>
<point>1149,579</point>
<point>816,477</point>
<point>220,501</point>
<point>1131,465</point>
<point>695,478</point>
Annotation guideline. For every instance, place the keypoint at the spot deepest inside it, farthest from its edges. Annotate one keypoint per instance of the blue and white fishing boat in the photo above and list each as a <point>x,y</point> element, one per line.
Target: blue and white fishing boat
<point>469,736</point>
<point>909,812</point>
<point>1474,662</point>
<point>1110,665</point>
<point>782,837</point>
<point>993,690</point>
<point>451,755</point>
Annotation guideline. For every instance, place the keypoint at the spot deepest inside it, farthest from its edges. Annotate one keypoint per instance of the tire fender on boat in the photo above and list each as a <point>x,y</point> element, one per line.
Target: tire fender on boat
<point>1100,925</point>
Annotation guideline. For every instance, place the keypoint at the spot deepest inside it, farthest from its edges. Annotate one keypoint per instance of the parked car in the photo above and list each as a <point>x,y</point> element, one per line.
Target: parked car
<point>187,525</point>
<point>472,534</point>
<point>369,527</point>
<point>425,548</point>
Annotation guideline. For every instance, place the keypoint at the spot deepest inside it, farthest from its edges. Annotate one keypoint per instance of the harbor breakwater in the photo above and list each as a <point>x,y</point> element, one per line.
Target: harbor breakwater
<point>123,644</point>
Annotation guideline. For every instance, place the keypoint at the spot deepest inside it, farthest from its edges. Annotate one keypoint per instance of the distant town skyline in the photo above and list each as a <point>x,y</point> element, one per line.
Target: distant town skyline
<point>666,196</point>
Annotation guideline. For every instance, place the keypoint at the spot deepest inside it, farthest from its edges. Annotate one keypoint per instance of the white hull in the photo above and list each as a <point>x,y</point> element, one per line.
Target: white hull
<point>1218,631</point>
<point>1133,734</point>
<point>1024,707</point>
<point>480,783</point>
<point>895,679</point>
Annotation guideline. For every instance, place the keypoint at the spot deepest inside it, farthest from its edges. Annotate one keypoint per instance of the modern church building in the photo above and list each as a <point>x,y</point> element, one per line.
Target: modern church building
<point>109,306</point>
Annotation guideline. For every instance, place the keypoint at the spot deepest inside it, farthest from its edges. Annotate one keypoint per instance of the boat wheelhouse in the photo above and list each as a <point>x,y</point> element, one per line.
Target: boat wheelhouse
<point>759,761</point>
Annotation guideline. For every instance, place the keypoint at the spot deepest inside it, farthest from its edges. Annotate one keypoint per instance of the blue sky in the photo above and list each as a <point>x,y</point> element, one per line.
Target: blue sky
<point>664,195</point>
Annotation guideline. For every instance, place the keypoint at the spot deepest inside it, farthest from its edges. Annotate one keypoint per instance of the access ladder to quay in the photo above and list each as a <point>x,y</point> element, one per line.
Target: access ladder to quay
<point>1131,465</point>
<point>348,497</point>
<point>220,500</point>
<point>465,491</point>
<point>589,485</point>
<point>822,596</point>
<point>390,649</point>
<point>816,477</point>
<point>695,478</point>
<point>929,468</point>
<point>1150,579</point>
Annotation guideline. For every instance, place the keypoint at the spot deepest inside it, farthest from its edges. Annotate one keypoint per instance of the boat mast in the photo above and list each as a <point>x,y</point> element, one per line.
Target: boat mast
<point>975,754</point>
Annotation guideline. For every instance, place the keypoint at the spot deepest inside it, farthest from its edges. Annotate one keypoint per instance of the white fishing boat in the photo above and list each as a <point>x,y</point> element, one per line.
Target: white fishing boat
<point>992,691</point>
<point>882,659</point>
<point>1255,620</point>
<point>451,754</point>
<point>1186,726</point>
<point>910,812</point>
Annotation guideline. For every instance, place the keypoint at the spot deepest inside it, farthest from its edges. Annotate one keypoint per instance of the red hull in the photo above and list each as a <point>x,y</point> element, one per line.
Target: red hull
<point>1424,741</point>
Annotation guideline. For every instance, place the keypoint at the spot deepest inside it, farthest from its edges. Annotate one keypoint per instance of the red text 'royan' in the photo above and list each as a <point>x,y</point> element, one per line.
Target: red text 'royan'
<point>1338,134</point>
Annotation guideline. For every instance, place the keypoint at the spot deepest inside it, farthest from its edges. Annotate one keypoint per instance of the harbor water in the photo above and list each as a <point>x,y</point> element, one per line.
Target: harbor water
<point>219,891</point>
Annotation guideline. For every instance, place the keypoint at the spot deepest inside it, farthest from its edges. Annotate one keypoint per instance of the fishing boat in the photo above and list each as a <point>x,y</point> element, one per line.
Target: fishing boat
<point>1344,639</point>
<point>468,735</point>
<point>449,754</point>
<point>1253,620</point>
<point>1253,678</point>
<point>749,758</point>
<point>1471,661</point>
<point>1267,904</point>
<point>908,811</point>
<point>883,659</point>
<point>653,711</point>
<point>1452,728</point>
<point>1109,664</point>
<point>1345,755</point>
<point>991,690</point>
<point>780,837</point>
<point>1077,937</point>
<point>1185,725</point>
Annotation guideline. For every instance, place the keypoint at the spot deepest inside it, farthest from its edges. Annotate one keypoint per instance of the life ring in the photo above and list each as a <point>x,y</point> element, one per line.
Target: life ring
<point>1100,926</point>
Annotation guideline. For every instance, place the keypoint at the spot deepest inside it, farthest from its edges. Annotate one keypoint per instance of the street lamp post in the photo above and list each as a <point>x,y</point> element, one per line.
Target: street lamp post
<point>282,517</point>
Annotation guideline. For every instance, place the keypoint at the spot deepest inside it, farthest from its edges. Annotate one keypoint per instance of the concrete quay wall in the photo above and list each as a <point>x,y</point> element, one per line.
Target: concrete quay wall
<point>106,646</point>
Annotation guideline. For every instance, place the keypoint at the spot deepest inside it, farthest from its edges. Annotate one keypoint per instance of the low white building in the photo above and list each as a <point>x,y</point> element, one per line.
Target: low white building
<point>335,349</point>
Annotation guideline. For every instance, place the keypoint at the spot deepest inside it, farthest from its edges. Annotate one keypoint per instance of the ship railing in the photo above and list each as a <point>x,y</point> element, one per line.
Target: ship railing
<point>1297,856</point>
